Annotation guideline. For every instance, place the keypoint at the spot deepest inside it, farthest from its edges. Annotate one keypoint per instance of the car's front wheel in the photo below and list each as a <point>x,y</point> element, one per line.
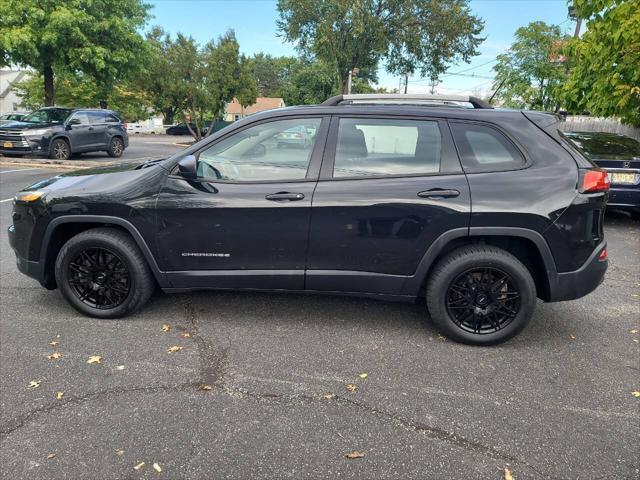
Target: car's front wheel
<point>116,147</point>
<point>480,295</point>
<point>102,273</point>
<point>60,149</point>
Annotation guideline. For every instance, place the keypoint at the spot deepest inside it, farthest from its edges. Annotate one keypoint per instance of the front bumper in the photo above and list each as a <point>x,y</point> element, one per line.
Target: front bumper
<point>581,282</point>
<point>31,268</point>
<point>32,146</point>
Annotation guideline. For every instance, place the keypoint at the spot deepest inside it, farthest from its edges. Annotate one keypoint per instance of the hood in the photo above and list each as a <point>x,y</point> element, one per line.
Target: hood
<point>98,177</point>
<point>14,125</point>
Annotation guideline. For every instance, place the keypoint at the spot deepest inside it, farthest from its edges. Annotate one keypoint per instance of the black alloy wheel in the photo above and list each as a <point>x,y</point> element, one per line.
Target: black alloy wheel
<point>483,300</point>
<point>99,278</point>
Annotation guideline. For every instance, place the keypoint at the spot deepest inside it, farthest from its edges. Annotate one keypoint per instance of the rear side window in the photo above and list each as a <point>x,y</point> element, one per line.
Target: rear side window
<point>381,147</point>
<point>484,148</point>
<point>111,118</point>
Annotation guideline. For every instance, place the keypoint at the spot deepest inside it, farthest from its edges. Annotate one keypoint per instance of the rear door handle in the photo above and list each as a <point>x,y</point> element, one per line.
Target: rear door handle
<point>438,193</point>
<point>284,196</point>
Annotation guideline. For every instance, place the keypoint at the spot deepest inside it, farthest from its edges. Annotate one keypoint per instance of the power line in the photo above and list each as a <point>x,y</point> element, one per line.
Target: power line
<point>459,72</point>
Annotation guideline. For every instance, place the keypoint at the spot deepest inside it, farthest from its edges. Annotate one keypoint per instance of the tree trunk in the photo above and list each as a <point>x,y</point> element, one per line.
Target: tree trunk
<point>168,115</point>
<point>49,94</point>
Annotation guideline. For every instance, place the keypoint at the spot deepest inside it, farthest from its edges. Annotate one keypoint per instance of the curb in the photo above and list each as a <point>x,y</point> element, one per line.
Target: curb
<point>71,164</point>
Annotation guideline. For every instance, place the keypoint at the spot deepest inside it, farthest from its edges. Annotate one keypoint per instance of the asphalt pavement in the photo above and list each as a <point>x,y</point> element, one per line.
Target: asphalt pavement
<point>258,389</point>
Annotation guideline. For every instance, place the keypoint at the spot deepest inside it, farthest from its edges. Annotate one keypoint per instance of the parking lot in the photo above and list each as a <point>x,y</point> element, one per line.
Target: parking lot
<point>258,387</point>
<point>141,148</point>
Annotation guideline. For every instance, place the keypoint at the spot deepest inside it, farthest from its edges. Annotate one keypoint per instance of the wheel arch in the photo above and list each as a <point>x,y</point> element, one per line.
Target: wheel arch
<point>63,228</point>
<point>526,245</point>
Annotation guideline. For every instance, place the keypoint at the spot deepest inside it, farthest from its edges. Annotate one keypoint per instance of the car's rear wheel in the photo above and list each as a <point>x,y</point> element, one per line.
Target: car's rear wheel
<point>102,273</point>
<point>480,295</point>
<point>60,149</point>
<point>116,147</point>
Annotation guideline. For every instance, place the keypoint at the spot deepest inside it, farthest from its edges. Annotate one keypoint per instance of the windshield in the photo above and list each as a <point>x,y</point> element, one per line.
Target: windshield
<point>48,115</point>
<point>600,146</point>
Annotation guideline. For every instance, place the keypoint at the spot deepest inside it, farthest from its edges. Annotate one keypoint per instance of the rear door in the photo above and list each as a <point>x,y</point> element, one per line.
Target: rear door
<point>98,129</point>
<point>80,133</point>
<point>389,187</point>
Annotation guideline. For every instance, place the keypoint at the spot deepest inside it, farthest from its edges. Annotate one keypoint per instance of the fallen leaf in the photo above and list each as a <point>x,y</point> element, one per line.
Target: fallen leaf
<point>572,336</point>
<point>507,474</point>
<point>185,335</point>
<point>120,367</point>
<point>635,330</point>
<point>139,466</point>
<point>355,454</point>
<point>363,375</point>
<point>119,451</point>
<point>442,338</point>
<point>351,387</point>
<point>174,349</point>
<point>205,387</point>
<point>157,468</point>
<point>34,383</point>
<point>54,356</point>
<point>51,455</point>
<point>635,340</point>
<point>635,394</point>
<point>53,343</point>
<point>59,395</point>
<point>95,359</point>
<point>328,396</point>
<point>165,327</point>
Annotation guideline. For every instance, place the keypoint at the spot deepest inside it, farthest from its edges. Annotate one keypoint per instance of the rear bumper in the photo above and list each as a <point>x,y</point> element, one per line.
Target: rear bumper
<point>624,198</point>
<point>581,282</point>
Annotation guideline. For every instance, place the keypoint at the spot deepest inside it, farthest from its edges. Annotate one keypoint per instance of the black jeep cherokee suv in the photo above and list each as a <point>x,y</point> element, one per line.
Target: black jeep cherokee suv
<point>480,211</point>
<point>58,132</point>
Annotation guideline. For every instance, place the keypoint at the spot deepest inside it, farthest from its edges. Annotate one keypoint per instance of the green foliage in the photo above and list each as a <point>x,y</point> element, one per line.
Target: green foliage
<point>605,63</point>
<point>528,76</point>
<point>411,35</point>
<point>184,79</point>
<point>78,90</point>
<point>96,37</point>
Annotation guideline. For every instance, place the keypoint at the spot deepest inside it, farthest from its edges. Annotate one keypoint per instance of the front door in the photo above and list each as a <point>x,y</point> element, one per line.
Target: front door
<point>389,188</point>
<point>244,222</point>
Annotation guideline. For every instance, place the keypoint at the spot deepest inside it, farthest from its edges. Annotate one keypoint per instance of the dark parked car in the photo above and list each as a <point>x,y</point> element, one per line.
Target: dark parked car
<point>480,211</point>
<point>58,132</point>
<point>11,117</point>
<point>619,155</point>
<point>181,129</point>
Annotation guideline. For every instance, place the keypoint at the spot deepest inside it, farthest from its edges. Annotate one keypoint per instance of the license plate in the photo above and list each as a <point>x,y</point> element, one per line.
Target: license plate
<point>7,145</point>
<point>628,178</point>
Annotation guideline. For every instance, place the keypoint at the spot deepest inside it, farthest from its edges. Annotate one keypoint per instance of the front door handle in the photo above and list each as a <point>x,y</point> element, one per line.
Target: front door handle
<point>284,196</point>
<point>438,193</point>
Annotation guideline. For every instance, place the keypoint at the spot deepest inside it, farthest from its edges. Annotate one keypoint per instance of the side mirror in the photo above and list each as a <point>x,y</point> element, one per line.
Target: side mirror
<point>188,167</point>
<point>73,121</point>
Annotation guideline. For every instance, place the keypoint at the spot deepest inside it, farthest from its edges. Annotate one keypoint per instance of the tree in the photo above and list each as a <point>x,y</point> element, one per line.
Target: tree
<point>528,76</point>
<point>411,35</point>
<point>96,37</point>
<point>604,76</point>
<point>78,90</point>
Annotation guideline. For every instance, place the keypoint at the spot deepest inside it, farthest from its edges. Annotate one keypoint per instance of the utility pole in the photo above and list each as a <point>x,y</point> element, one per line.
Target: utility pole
<point>352,73</point>
<point>406,82</point>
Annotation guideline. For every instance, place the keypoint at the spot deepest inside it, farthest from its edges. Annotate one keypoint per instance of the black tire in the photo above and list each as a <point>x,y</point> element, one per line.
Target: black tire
<point>470,302</point>
<point>635,215</point>
<point>116,147</point>
<point>60,149</point>
<point>123,277</point>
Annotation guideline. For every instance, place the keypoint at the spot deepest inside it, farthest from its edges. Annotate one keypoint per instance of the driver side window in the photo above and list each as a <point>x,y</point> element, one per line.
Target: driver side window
<point>278,150</point>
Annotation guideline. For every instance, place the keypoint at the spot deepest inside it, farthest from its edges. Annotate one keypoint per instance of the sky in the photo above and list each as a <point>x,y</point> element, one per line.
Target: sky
<point>254,22</point>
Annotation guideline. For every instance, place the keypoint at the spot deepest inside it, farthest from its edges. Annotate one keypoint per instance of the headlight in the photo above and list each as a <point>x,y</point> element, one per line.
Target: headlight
<point>37,132</point>
<point>29,196</point>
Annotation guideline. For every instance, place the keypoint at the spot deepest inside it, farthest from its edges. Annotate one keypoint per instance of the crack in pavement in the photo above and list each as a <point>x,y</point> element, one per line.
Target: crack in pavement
<point>212,361</point>
<point>11,426</point>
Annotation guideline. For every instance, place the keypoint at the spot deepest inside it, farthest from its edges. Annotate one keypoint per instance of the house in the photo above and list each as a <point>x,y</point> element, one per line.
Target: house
<point>9,101</point>
<point>234,111</point>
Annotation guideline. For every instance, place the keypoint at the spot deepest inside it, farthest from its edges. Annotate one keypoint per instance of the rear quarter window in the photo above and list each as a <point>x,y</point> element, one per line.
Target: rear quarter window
<point>483,148</point>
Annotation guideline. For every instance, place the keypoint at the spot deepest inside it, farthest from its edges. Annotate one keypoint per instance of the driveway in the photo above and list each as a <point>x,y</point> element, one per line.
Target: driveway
<point>258,387</point>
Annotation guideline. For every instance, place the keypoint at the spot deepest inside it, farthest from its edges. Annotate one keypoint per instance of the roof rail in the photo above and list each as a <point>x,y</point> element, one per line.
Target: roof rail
<point>412,98</point>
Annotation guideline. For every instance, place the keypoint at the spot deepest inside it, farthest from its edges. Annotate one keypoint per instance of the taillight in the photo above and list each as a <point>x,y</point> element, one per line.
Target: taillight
<point>595,180</point>
<point>603,255</point>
